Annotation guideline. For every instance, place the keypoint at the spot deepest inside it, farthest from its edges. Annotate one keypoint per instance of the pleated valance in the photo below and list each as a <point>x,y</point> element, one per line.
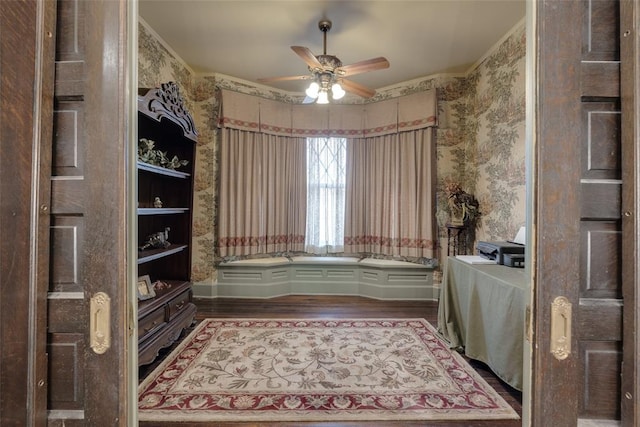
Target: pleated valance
<point>239,111</point>
<point>247,112</point>
<point>275,117</point>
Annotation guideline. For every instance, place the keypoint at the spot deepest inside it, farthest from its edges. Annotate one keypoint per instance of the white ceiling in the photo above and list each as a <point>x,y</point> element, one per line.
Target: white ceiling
<point>252,39</point>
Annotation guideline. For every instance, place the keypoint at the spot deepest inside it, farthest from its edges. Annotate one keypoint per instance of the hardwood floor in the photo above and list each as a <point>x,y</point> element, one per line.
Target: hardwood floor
<point>310,307</point>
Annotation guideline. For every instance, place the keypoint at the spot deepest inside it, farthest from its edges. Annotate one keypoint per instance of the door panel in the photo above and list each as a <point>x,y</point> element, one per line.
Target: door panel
<point>600,282</point>
<point>600,363</point>
<point>67,341</point>
<point>579,240</point>
<point>88,236</point>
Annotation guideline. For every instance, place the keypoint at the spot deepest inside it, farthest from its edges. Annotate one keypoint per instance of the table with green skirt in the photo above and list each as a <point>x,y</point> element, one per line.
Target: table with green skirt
<point>482,310</point>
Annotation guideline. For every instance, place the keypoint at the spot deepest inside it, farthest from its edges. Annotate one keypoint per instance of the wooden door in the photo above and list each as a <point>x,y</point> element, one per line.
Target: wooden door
<point>87,381</point>
<point>581,238</point>
<point>63,212</point>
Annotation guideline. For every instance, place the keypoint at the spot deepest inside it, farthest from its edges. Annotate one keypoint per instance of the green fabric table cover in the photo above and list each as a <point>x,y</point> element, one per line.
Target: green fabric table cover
<point>482,308</point>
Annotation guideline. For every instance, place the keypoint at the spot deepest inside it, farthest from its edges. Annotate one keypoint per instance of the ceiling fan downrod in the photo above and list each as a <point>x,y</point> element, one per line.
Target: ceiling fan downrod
<point>329,62</point>
<point>325,26</point>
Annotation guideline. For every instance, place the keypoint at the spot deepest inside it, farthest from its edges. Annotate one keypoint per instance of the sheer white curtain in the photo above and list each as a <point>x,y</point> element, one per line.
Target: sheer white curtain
<point>326,180</point>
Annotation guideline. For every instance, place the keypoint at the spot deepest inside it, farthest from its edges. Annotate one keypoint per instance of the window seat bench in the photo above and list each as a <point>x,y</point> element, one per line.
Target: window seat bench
<point>324,275</point>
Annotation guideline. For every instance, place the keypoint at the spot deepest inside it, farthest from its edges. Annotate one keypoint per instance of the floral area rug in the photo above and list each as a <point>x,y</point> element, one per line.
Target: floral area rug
<point>316,370</point>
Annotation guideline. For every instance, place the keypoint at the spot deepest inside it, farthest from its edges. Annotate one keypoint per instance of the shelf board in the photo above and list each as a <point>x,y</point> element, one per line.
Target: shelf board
<point>153,254</point>
<point>162,171</point>
<point>161,211</point>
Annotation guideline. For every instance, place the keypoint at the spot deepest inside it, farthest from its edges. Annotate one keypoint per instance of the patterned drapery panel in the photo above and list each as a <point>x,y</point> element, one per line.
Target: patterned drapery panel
<point>390,195</point>
<point>262,193</point>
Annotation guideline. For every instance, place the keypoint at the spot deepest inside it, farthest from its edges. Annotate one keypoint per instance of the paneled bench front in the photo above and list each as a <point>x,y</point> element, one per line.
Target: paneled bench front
<point>314,275</point>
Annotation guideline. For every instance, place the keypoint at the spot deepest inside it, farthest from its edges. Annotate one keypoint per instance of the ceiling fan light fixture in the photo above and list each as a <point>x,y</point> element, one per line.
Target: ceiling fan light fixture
<point>327,70</point>
<point>323,97</point>
<point>312,90</point>
<point>336,91</point>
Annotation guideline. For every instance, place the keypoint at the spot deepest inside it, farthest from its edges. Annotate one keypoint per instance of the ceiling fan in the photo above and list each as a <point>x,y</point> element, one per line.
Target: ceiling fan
<point>328,74</point>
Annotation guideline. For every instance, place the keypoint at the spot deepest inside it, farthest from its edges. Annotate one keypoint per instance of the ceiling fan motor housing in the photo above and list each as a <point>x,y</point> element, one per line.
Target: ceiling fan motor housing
<point>329,62</point>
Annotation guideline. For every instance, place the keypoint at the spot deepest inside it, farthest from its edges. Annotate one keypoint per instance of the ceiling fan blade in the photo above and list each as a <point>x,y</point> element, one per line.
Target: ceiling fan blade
<point>281,79</point>
<point>363,66</point>
<point>357,88</point>
<point>307,56</point>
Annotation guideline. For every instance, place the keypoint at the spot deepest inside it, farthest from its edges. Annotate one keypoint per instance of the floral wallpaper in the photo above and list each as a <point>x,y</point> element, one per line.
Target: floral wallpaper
<point>480,135</point>
<point>497,149</point>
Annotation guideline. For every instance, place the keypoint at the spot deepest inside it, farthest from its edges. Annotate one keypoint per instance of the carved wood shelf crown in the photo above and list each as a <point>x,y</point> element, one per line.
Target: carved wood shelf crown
<point>167,102</point>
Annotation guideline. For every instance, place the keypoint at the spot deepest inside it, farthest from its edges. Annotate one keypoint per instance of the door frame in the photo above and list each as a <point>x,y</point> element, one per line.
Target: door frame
<point>26,91</point>
<point>543,408</point>
<point>131,218</point>
<point>630,93</point>
<point>554,267</point>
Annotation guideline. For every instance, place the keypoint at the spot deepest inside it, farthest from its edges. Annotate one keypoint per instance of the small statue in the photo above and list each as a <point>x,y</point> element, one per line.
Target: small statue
<point>159,285</point>
<point>157,240</point>
<point>157,203</point>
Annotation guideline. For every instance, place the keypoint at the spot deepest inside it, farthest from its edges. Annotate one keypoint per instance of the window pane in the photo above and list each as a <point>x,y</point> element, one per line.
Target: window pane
<point>326,177</point>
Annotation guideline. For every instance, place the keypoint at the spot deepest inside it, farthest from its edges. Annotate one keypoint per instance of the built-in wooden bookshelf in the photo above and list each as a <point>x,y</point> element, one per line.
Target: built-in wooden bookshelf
<point>165,206</point>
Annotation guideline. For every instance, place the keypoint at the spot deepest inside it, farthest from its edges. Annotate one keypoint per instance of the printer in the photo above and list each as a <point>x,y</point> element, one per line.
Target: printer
<point>509,253</point>
<point>503,253</point>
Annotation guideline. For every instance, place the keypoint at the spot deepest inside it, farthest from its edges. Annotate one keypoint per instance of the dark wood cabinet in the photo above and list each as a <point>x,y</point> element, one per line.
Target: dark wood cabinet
<point>165,206</point>
<point>162,319</point>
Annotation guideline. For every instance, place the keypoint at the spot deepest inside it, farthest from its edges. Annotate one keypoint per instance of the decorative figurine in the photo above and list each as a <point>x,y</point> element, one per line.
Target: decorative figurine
<point>157,240</point>
<point>157,203</point>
